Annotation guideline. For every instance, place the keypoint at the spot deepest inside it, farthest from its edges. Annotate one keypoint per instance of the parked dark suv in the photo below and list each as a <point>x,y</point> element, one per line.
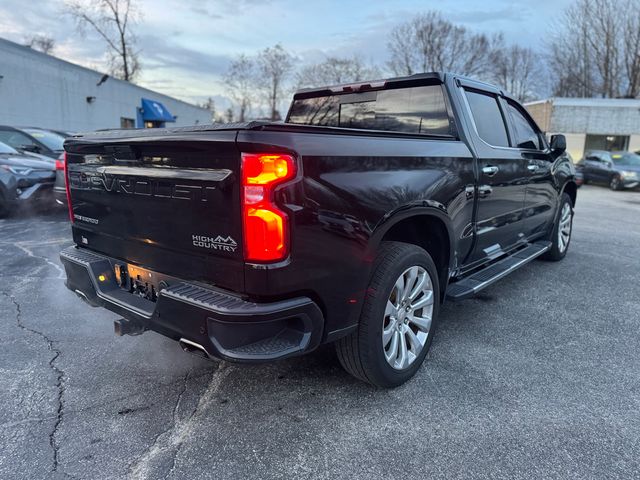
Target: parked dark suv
<point>24,141</point>
<point>618,170</point>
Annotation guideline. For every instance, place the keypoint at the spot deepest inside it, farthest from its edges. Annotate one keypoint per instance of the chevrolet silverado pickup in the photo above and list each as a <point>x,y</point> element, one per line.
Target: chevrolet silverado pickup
<point>349,223</point>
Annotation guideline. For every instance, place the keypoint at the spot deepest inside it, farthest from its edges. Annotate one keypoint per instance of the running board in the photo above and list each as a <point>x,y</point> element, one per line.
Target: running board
<point>469,286</point>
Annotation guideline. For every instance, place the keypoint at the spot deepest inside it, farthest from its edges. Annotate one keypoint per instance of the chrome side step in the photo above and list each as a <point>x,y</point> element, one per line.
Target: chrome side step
<point>469,286</point>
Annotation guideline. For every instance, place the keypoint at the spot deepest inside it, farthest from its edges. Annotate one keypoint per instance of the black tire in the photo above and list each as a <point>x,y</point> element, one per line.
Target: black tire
<point>556,253</point>
<point>615,183</point>
<point>4,210</point>
<point>361,353</point>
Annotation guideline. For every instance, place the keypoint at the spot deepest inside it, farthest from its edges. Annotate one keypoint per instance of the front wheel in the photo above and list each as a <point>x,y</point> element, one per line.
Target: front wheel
<point>561,234</point>
<point>615,183</point>
<point>397,320</point>
<point>4,209</point>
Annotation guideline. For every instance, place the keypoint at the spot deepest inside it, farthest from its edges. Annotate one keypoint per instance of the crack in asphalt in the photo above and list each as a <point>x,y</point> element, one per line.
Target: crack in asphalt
<point>171,440</point>
<point>68,413</point>
<point>175,421</point>
<point>29,252</point>
<point>59,379</point>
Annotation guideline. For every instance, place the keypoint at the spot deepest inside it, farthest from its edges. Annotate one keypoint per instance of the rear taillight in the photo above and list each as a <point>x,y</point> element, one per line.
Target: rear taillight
<point>266,227</point>
<point>65,167</point>
<point>60,163</point>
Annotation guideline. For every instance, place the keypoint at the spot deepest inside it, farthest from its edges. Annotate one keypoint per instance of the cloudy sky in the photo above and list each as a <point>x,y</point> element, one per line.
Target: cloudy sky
<point>186,45</point>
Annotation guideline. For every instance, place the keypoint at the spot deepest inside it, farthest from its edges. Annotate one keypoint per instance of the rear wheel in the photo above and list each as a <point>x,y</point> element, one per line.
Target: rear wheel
<point>615,183</point>
<point>4,209</point>
<point>561,234</point>
<point>397,320</point>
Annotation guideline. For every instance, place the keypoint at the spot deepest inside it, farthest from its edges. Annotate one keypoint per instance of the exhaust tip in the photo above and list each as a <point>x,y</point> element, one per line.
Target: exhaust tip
<point>193,348</point>
<point>123,327</point>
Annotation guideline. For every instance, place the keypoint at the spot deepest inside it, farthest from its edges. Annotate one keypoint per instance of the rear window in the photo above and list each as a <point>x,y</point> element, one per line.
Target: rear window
<point>409,110</point>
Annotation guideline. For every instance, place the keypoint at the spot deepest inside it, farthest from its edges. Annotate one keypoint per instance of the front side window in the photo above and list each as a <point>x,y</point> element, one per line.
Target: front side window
<point>488,118</point>
<point>525,135</point>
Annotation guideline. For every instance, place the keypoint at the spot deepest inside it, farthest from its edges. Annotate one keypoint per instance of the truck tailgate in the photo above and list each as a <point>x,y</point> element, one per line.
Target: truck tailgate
<point>169,203</point>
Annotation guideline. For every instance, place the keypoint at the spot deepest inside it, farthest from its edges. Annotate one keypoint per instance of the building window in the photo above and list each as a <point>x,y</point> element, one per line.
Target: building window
<point>127,122</point>
<point>610,143</point>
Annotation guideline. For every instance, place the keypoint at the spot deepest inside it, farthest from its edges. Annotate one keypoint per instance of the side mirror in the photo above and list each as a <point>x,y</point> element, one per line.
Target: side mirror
<point>558,144</point>
<point>30,148</point>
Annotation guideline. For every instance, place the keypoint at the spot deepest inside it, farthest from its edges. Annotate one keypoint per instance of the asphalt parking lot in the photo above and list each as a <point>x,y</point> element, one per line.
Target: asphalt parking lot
<point>538,377</point>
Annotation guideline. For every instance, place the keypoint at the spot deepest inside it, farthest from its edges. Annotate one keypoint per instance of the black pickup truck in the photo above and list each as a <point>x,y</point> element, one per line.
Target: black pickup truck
<point>351,222</point>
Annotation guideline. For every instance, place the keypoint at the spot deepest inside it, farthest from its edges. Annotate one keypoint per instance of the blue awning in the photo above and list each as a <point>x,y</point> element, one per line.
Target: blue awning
<point>153,111</point>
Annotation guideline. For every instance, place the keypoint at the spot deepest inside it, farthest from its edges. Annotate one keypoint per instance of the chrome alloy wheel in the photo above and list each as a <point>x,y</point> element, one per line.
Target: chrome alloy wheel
<point>564,228</point>
<point>407,317</point>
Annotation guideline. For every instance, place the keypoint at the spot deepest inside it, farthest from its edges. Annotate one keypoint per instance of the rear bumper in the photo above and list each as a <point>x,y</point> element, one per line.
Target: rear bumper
<point>224,325</point>
<point>60,195</point>
<point>36,193</point>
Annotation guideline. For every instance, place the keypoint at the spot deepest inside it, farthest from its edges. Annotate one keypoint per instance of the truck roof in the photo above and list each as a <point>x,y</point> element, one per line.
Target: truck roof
<point>416,79</point>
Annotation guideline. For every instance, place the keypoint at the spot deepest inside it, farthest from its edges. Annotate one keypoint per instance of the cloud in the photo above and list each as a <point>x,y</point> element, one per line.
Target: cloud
<point>161,52</point>
<point>510,13</point>
<point>186,45</point>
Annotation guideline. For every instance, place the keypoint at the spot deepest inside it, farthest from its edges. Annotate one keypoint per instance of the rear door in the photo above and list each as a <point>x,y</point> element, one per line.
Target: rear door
<point>501,177</point>
<point>588,167</point>
<point>603,168</point>
<point>541,195</point>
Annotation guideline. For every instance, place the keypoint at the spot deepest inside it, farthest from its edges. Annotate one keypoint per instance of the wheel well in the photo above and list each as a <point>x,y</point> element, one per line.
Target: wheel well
<point>571,189</point>
<point>429,233</point>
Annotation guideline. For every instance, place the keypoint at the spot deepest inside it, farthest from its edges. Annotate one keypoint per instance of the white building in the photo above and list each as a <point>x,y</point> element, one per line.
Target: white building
<point>590,123</point>
<point>39,90</point>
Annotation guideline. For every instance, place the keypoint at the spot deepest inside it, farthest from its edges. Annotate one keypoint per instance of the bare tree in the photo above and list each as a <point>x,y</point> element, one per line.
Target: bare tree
<point>228,115</point>
<point>335,70</point>
<point>241,83</point>
<point>428,42</point>
<point>517,70</point>
<point>111,20</point>
<point>42,43</point>
<point>210,105</point>
<point>596,50</point>
<point>274,65</point>
<point>631,35</point>
<point>605,41</point>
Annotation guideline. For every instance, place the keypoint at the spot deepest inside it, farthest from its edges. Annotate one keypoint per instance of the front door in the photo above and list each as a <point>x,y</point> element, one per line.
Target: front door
<point>541,195</point>
<point>501,179</point>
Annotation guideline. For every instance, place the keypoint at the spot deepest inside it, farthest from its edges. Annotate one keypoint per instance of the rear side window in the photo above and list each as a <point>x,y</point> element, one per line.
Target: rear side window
<point>409,110</point>
<point>488,118</point>
<point>525,135</point>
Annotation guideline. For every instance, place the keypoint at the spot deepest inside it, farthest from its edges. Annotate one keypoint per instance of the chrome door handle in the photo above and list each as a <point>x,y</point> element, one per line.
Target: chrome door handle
<point>532,168</point>
<point>490,170</point>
